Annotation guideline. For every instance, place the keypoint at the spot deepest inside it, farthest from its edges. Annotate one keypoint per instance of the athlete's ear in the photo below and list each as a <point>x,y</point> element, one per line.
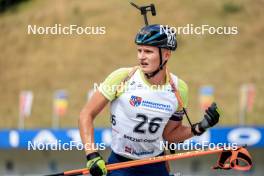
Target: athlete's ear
<point>166,54</point>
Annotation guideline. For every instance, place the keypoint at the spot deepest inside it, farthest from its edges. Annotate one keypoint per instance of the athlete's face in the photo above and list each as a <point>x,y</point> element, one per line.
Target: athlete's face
<point>149,58</point>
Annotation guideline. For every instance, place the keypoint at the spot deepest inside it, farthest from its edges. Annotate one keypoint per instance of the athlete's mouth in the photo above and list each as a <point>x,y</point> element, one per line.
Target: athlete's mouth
<point>143,63</point>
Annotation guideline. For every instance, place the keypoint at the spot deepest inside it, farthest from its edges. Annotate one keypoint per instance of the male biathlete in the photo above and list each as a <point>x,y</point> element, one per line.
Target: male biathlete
<point>146,104</point>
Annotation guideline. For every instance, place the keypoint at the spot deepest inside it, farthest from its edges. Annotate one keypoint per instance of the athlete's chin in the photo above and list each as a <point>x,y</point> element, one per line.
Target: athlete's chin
<point>146,69</point>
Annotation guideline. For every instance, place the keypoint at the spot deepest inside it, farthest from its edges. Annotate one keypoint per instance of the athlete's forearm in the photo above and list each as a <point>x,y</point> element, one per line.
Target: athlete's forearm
<point>179,134</point>
<point>87,116</point>
<point>87,131</point>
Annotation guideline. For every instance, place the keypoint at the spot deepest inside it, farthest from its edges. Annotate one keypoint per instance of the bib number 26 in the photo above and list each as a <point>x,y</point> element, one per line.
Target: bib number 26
<point>153,124</point>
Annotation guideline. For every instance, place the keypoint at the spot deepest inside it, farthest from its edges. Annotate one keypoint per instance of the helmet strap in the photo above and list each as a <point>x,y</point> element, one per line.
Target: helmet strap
<point>150,75</point>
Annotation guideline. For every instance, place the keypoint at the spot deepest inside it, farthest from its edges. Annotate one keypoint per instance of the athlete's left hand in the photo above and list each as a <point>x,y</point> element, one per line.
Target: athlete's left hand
<point>211,117</point>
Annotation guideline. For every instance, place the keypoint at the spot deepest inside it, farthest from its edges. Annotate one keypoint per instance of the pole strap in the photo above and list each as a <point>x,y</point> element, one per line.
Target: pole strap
<point>239,159</point>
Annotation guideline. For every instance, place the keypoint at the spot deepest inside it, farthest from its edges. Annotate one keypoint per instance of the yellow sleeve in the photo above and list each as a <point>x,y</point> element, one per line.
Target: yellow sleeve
<point>109,86</point>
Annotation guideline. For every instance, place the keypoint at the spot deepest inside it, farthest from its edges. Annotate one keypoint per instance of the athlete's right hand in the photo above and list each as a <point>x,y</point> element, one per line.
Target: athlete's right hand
<point>96,164</point>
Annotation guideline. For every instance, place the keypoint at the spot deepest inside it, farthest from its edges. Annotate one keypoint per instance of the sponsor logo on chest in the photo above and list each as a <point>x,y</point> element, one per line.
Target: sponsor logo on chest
<point>137,101</point>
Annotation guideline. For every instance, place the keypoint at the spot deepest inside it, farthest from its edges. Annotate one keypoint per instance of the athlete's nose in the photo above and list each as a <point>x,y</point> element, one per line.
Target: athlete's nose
<point>141,55</point>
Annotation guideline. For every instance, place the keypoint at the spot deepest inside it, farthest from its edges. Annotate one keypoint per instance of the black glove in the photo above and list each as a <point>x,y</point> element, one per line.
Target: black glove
<point>96,164</point>
<point>211,117</point>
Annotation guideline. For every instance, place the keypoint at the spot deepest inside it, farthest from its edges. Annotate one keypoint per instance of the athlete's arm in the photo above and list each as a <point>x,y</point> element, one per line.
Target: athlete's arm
<point>87,116</point>
<point>95,163</point>
<point>98,101</point>
<point>175,131</point>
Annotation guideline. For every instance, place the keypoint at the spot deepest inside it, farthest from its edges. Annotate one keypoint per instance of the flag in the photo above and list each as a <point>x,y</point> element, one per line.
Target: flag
<point>60,103</point>
<point>206,97</point>
<point>246,101</point>
<point>247,97</point>
<point>251,97</point>
<point>25,103</point>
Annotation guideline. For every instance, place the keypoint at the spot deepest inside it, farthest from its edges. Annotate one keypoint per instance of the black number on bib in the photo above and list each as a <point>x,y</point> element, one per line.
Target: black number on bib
<point>144,120</point>
<point>113,120</point>
<point>153,124</point>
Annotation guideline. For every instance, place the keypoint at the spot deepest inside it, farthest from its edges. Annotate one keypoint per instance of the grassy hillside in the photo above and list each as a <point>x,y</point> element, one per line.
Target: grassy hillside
<point>44,63</point>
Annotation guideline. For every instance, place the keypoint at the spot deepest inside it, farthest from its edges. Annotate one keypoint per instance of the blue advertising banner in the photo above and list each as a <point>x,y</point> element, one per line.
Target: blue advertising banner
<point>23,139</point>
